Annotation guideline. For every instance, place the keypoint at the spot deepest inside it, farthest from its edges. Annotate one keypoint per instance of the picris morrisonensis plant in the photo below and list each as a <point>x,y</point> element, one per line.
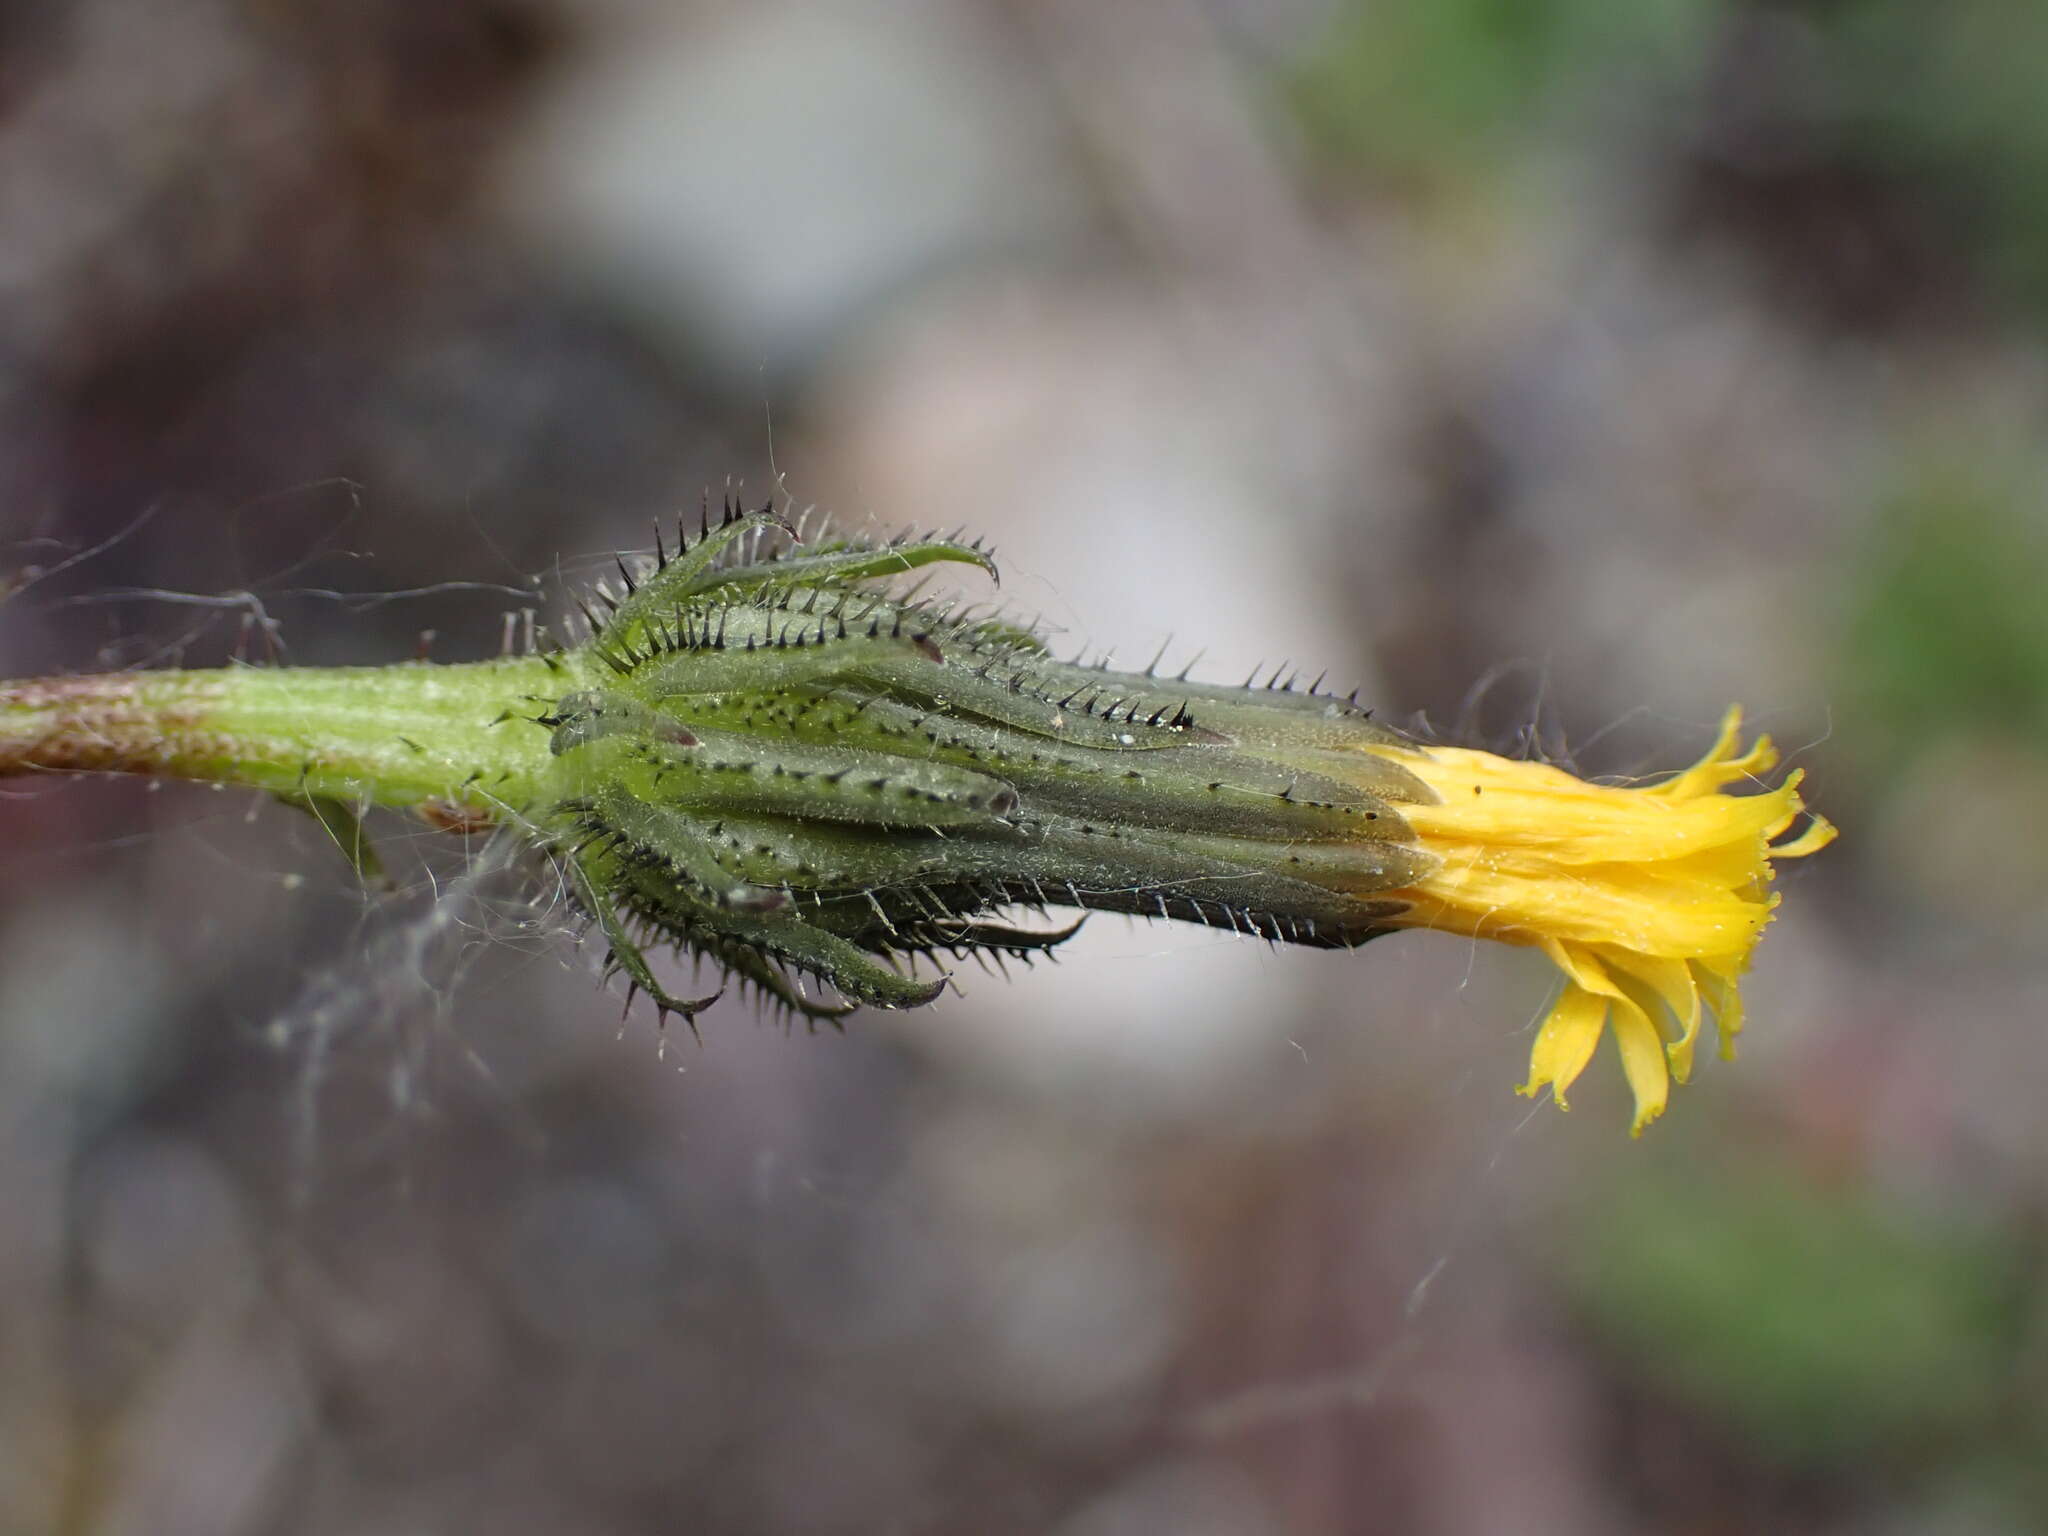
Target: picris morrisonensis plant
<point>767,754</point>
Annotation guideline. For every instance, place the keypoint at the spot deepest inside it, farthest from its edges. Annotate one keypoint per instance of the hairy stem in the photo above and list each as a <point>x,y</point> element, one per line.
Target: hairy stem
<point>452,738</point>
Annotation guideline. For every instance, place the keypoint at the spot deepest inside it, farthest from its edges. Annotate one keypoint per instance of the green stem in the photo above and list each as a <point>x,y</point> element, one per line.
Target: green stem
<point>444,739</point>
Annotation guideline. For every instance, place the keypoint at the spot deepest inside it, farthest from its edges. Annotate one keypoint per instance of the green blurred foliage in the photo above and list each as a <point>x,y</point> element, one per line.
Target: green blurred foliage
<point>1818,1325</point>
<point>1945,104</point>
<point>1455,87</point>
<point>1957,96</point>
<point>1947,630</point>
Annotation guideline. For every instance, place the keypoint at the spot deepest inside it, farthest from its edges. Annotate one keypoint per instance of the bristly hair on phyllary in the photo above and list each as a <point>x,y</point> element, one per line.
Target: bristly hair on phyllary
<point>783,764</point>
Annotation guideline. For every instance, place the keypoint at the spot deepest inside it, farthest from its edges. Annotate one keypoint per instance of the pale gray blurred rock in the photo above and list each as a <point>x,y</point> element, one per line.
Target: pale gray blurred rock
<point>750,185</point>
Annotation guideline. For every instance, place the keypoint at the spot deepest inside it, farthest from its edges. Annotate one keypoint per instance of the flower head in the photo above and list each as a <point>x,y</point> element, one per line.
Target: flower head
<point>1649,900</point>
<point>769,754</point>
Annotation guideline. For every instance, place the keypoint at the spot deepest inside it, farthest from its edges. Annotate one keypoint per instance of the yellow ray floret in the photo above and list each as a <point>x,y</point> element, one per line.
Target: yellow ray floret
<point>1648,900</point>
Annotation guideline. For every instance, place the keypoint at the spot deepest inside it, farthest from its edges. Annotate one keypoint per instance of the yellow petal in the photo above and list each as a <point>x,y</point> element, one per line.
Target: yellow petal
<point>1565,1043</point>
<point>1672,982</point>
<point>1812,840</point>
<point>1642,1047</point>
<point>1722,765</point>
<point>1582,966</point>
<point>1642,1059</point>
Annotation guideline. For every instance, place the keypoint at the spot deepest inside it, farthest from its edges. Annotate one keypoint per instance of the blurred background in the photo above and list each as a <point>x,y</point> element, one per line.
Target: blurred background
<point>1560,373</point>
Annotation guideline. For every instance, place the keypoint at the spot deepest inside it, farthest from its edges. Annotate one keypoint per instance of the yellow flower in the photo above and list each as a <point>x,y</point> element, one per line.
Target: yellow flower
<point>1649,900</point>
